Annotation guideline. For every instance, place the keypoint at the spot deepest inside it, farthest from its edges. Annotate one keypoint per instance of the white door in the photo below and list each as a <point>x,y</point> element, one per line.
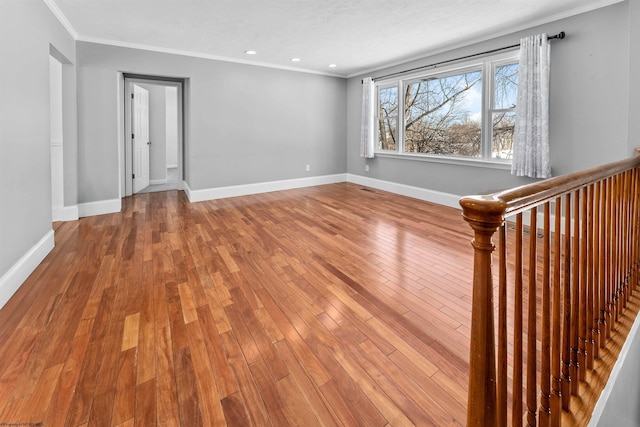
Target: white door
<point>141,141</point>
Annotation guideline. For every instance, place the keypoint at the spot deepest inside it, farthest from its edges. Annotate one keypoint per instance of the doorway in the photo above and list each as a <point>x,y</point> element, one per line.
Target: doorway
<point>56,135</point>
<point>153,116</point>
<point>62,133</point>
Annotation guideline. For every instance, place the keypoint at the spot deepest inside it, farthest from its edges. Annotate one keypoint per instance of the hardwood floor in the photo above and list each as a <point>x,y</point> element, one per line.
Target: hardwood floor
<point>329,305</point>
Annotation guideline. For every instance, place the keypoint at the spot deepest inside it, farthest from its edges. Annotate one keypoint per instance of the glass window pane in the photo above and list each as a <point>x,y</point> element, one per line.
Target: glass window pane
<point>502,134</point>
<point>443,115</point>
<point>387,131</point>
<point>387,112</point>
<point>388,102</point>
<point>506,87</point>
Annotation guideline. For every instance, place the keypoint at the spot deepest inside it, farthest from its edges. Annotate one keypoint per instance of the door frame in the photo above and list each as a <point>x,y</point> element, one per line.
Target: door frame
<point>125,144</point>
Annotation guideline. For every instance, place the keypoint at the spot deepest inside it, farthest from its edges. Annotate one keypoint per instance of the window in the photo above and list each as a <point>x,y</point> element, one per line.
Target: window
<point>442,115</point>
<point>387,117</point>
<point>462,112</point>
<point>503,113</point>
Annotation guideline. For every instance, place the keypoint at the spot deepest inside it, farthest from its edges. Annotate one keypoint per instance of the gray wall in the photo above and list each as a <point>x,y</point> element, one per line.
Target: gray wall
<point>620,402</point>
<point>634,72</point>
<point>588,107</point>
<point>27,28</point>
<point>246,124</point>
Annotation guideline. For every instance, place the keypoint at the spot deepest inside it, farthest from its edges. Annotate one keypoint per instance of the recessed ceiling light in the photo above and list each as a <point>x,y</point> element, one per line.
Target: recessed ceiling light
<point>250,52</point>
<point>332,65</point>
<point>295,59</point>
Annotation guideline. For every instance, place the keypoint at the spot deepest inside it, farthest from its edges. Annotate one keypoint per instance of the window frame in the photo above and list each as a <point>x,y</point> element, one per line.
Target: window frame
<point>487,65</point>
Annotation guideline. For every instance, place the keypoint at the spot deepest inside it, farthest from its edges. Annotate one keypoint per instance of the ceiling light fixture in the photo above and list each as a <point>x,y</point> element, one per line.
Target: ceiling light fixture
<point>250,52</point>
<point>332,65</point>
<point>295,59</point>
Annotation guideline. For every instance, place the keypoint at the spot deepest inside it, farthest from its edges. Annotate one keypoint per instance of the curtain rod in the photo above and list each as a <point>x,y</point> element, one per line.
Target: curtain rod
<point>558,36</point>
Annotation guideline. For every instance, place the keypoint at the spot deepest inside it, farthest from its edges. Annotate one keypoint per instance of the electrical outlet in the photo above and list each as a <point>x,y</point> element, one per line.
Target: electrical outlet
<point>308,168</point>
<point>366,168</point>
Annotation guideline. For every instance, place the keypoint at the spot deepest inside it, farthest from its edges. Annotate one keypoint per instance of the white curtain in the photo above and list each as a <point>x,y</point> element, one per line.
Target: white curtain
<point>367,144</point>
<point>531,135</point>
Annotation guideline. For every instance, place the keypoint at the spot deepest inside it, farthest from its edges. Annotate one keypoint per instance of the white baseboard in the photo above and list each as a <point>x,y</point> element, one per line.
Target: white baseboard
<point>261,187</point>
<point>99,208</point>
<point>65,213</point>
<point>446,199</point>
<point>627,393</point>
<point>187,190</point>
<point>157,181</point>
<point>438,197</point>
<point>11,281</point>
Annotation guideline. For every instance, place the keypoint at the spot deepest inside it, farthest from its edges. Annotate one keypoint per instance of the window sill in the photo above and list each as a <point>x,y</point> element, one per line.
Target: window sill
<point>479,163</point>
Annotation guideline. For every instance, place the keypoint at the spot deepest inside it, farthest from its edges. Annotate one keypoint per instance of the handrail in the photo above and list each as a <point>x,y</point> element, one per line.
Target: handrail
<point>527,196</point>
<point>486,214</point>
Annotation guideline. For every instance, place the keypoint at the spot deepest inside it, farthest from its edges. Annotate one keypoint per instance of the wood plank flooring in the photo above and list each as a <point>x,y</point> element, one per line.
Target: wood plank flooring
<point>323,306</point>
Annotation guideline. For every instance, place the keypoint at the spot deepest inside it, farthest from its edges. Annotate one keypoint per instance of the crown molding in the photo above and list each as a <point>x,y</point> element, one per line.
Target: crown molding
<point>53,6</point>
<point>149,48</point>
<point>67,25</point>
<point>542,21</point>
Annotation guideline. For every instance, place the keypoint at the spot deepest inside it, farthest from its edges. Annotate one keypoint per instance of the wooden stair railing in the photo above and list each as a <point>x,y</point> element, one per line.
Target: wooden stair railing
<point>568,250</point>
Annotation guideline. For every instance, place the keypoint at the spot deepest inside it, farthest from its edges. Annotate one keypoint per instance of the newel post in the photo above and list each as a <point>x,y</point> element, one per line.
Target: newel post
<point>485,216</point>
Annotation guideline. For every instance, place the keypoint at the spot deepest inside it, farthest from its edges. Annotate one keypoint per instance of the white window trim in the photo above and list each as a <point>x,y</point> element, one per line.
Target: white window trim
<point>487,65</point>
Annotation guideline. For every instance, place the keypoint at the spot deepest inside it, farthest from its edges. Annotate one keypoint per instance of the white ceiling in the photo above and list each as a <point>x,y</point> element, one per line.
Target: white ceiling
<point>356,35</point>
